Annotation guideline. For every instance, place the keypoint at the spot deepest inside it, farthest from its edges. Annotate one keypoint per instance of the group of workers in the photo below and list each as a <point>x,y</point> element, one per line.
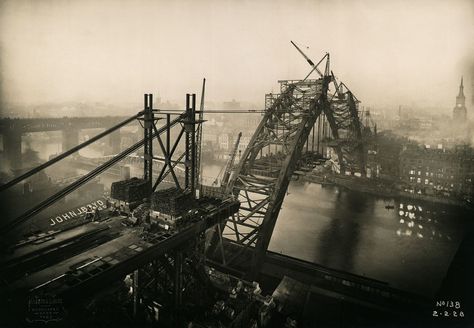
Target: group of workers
<point>91,213</point>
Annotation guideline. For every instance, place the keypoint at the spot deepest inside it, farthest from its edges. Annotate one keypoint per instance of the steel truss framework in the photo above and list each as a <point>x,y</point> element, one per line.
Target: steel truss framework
<point>172,155</point>
<point>347,130</point>
<point>167,271</point>
<point>185,123</point>
<point>261,178</point>
<point>175,271</point>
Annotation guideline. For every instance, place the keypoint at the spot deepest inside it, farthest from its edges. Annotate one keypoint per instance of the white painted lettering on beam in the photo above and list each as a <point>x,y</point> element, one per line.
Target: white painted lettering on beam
<point>98,204</point>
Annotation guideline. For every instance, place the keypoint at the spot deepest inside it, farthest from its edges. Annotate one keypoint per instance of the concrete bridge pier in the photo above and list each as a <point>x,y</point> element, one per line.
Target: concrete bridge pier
<point>114,143</point>
<point>12,148</point>
<point>70,138</point>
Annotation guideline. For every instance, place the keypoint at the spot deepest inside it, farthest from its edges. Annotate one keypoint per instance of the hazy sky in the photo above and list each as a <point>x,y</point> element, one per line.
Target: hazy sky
<point>388,52</point>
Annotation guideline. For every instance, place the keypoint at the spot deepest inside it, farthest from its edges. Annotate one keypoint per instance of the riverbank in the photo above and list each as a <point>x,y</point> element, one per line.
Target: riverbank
<point>379,188</point>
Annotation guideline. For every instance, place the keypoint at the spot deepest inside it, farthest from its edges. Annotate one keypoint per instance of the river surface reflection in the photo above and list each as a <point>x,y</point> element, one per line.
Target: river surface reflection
<point>410,246</point>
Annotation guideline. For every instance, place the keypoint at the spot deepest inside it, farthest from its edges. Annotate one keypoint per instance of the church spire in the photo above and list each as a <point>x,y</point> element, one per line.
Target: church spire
<point>461,87</point>
<point>459,111</point>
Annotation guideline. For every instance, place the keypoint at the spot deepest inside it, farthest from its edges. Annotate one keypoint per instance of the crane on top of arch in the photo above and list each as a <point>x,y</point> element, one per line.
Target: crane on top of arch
<point>260,180</point>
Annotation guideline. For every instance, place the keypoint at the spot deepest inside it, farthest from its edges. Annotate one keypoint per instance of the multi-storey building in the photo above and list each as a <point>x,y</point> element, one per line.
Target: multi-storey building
<point>224,141</point>
<point>387,157</point>
<point>438,171</point>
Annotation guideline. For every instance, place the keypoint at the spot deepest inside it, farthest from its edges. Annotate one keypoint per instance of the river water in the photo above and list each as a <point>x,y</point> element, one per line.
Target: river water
<point>410,246</point>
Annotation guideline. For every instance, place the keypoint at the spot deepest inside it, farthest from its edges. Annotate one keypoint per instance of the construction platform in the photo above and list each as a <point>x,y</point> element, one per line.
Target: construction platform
<point>85,255</point>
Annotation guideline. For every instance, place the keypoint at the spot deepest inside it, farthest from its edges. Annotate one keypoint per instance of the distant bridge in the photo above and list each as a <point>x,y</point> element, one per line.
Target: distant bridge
<point>12,130</point>
<point>24,125</point>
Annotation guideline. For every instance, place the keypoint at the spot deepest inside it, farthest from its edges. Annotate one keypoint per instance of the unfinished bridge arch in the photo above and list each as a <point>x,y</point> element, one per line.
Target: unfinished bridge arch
<point>260,180</point>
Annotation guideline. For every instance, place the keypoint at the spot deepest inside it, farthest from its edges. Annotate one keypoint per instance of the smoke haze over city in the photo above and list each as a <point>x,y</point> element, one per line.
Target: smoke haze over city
<point>388,52</point>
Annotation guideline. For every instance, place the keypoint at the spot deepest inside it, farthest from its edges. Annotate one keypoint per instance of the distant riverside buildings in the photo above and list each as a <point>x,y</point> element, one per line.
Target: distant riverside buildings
<point>431,170</point>
<point>221,130</point>
<point>231,104</point>
<point>435,125</point>
<point>438,171</point>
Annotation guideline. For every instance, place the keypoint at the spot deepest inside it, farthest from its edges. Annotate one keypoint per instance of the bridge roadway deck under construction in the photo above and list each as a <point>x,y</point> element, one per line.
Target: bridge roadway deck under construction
<point>80,259</point>
<point>85,256</point>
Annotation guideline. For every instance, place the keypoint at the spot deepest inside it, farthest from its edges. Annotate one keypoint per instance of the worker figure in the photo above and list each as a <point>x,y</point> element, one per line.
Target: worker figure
<point>96,215</point>
<point>89,213</point>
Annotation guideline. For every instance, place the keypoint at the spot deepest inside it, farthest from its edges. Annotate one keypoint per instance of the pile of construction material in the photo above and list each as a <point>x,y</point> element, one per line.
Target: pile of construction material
<point>171,201</point>
<point>130,190</point>
<point>214,192</point>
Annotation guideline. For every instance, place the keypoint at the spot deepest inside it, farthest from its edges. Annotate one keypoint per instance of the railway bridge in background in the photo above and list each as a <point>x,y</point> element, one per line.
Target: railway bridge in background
<point>12,130</point>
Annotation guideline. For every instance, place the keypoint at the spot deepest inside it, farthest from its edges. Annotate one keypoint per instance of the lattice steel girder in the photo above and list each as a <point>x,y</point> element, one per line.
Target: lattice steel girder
<point>264,171</point>
<point>148,138</point>
<point>343,118</point>
<point>317,105</point>
<point>261,182</point>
